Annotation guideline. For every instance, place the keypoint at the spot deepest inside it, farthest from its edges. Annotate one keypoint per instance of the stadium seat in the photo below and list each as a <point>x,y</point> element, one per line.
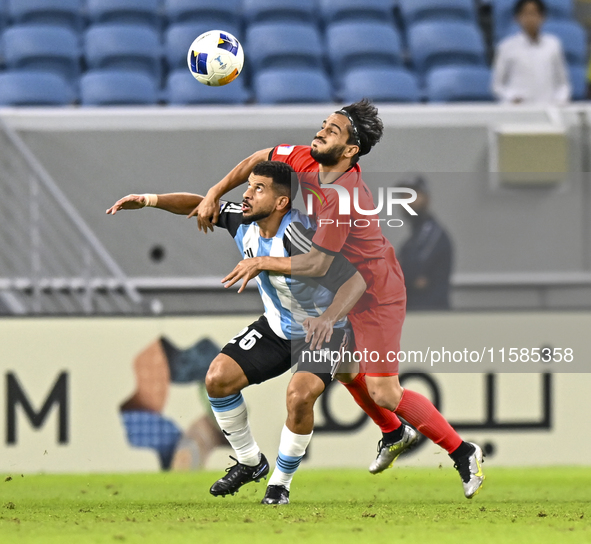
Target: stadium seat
<point>292,86</point>
<point>579,81</point>
<point>145,12</point>
<point>351,44</point>
<point>503,18</point>
<point>183,89</point>
<point>356,10</point>
<point>29,88</point>
<point>573,38</point>
<point>117,87</point>
<point>380,85</point>
<point>276,45</point>
<point>258,11</point>
<point>178,37</point>
<point>55,12</point>
<point>414,11</point>
<point>3,14</point>
<point>123,46</point>
<point>42,47</point>
<point>459,84</point>
<point>216,13</point>
<point>435,44</point>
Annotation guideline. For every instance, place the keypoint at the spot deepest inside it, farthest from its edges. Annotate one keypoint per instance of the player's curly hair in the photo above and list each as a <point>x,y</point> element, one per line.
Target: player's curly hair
<point>369,127</point>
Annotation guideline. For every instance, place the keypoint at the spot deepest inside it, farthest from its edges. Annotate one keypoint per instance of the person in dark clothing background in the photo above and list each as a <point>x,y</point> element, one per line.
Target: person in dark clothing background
<point>426,257</point>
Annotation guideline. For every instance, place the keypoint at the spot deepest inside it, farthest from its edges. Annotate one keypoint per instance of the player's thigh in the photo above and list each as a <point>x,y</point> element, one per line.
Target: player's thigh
<point>323,362</point>
<point>377,338</point>
<point>259,352</point>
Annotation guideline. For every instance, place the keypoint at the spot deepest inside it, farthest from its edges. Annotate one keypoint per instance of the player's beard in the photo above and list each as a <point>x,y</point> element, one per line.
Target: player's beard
<point>330,157</point>
<point>263,214</point>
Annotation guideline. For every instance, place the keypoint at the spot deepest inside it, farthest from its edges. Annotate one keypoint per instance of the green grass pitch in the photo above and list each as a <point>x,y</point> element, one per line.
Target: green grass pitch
<point>533,505</point>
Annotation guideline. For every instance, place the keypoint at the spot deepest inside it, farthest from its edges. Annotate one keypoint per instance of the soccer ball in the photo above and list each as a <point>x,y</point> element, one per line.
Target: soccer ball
<point>215,58</point>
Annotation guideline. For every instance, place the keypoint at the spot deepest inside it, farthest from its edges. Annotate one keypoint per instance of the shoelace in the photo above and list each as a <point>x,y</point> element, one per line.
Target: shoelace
<point>234,466</point>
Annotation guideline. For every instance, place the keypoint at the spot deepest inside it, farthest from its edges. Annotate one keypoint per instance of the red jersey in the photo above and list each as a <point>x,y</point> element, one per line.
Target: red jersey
<point>357,236</point>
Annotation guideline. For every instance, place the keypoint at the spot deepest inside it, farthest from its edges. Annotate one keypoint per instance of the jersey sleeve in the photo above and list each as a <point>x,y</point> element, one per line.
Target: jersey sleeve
<point>230,217</point>
<point>298,240</point>
<point>333,228</point>
<point>293,155</point>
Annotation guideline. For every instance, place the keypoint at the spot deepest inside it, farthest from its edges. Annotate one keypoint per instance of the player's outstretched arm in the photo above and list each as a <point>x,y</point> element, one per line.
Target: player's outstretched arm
<point>178,203</point>
<point>208,210</point>
<point>319,329</point>
<point>314,263</point>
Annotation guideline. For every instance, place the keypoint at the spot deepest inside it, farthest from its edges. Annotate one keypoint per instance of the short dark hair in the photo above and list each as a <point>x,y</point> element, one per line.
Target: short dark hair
<point>285,182</point>
<point>520,4</point>
<point>368,127</point>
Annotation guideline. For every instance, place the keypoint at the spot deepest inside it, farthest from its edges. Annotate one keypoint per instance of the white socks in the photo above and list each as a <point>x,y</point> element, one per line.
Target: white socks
<point>291,450</point>
<point>231,415</point>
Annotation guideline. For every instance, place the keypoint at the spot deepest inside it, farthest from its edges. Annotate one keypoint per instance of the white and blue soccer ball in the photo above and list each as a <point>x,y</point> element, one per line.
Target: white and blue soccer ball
<point>215,58</point>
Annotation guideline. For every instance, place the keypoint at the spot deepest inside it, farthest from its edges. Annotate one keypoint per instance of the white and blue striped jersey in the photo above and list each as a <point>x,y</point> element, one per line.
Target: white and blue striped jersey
<point>288,300</point>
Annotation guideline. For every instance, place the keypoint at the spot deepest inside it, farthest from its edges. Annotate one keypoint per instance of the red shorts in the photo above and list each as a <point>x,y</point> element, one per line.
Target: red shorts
<point>377,338</point>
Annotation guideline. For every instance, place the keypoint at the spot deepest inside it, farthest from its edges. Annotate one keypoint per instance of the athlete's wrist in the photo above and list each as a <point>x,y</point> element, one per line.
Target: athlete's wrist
<point>150,200</point>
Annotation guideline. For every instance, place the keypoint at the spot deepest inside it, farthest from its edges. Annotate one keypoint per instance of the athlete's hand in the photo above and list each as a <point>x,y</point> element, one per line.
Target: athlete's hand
<point>318,331</point>
<point>245,270</point>
<point>129,202</point>
<point>207,213</point>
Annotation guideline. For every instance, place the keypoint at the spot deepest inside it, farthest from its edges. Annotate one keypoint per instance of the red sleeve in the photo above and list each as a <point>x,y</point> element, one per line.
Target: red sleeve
<point>294,155</point>
<point>332,229</point>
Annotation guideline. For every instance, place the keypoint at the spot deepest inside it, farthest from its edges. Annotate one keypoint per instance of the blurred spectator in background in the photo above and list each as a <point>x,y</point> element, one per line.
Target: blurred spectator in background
<point>426,257</point>
<point>529,66</point>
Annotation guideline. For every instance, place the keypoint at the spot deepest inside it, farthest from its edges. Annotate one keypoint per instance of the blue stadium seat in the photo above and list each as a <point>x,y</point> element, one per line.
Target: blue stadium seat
<point>364,43</point>
<point>502,11</point>
<point>145,12</point>
<point>276,45</point>
<point>459,84</point>
<point>183,89</point>
<point>434,44</point>
<point>178,37</point>
<point>123,46</point>
<point>414,11</point>
<point>216,13</point>
<point>29,88</point>
<point>3,14</point>
<point>380,85</point>
<point>117,87</point>
<point>44,48</point>
<point>292,86</point>
<point>55,12</point>
<point>258,11</point>
<point>573,38</point>
<point>579,81</point>
<point>356,10</point>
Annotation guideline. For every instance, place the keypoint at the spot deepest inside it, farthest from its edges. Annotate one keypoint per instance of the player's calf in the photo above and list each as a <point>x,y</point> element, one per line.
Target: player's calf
<point>303,390</point>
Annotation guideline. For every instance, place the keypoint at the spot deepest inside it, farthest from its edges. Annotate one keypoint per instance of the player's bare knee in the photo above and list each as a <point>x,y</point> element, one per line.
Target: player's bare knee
<point>300,402</point>
<point>221,379</point>
<point>386,397</point>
